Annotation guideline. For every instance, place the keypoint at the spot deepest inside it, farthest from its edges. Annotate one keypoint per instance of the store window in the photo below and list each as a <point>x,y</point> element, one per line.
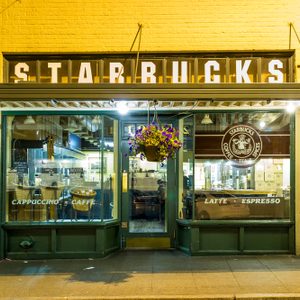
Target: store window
<point>241,166</point>
<point>186,160</point>
<point>61,168</point>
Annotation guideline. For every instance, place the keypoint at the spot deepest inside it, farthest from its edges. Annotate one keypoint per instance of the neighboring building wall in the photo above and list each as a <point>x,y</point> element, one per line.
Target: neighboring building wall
<point>83,26</point>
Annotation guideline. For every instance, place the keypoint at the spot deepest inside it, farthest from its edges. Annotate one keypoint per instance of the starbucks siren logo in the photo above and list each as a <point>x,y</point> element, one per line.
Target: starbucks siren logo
<point>242,145</point>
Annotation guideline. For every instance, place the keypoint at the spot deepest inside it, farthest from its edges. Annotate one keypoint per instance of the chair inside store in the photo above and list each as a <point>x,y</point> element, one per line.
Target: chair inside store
<point>82,202</point>
<point>51,193</point>
<point>25,211</point>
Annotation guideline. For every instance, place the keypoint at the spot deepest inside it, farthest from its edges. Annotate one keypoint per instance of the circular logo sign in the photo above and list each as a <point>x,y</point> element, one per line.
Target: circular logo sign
<point>242,145</point>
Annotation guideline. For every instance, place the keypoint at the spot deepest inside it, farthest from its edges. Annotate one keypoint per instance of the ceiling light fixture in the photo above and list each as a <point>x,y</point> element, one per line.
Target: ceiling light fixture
<point>206,120</point>
<point>72,126</point>
<point>29,120</point>
<point>96,120</point>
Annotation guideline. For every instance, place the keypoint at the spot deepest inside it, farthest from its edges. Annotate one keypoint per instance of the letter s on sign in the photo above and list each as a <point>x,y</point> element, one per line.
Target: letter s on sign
<point>20,68</point>
<point>278,75</point>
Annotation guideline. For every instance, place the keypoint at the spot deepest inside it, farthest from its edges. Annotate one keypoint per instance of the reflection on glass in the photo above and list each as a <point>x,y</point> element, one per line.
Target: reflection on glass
<point>186,157</point>
<point>226,190</point>
<point>223,191</point>
<point>62,168</point>
<point>148,191</point>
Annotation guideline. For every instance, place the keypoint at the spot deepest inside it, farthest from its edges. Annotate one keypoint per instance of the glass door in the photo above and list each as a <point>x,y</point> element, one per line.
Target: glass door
<point>148,199</point>
<point>147,196</point>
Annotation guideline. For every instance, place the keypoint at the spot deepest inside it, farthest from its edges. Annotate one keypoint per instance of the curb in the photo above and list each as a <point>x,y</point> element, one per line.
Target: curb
<point>285,296</point>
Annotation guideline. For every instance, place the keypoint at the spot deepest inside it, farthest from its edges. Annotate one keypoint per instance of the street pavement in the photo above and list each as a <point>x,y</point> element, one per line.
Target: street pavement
<point>152,274</point>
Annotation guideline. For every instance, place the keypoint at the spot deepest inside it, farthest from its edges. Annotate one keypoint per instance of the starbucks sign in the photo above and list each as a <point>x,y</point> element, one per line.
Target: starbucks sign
<point>242,145</point>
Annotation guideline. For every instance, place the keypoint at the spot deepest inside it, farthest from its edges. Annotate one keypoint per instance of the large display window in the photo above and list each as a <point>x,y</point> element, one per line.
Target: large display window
<point>61,168</point>
<point>240,167</point>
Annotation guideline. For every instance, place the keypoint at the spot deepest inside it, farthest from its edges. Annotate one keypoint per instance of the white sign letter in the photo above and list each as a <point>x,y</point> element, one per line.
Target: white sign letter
<point>54,67</point>
<point>175,72</point>
<point>274,71</point>
<point>20,68</point>
<point>148,70</point>
<point>85,73</point>
<point>210,66</point>
<point>241,71</point>
<point>115,73</point>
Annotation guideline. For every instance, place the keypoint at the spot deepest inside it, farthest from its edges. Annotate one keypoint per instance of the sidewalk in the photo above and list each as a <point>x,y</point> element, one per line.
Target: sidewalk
<point>153,275</point>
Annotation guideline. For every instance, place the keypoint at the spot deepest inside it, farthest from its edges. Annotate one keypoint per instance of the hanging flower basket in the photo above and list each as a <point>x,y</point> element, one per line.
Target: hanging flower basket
<point>155,142</point>
<point>152,153</point>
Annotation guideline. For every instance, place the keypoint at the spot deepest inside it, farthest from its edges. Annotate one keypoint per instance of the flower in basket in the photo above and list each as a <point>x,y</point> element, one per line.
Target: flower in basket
<point>155,142</point>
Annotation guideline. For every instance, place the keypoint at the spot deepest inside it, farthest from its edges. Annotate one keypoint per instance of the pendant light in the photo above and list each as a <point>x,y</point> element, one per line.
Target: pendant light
<point>29,120</point>
<point>206,120</point>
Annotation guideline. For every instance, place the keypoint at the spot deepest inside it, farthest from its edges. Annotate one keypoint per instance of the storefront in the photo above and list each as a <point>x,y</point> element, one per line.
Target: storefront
<point>71,188</point>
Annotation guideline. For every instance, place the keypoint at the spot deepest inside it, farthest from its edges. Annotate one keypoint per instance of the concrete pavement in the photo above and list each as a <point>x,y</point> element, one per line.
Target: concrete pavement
<point>153,275</point>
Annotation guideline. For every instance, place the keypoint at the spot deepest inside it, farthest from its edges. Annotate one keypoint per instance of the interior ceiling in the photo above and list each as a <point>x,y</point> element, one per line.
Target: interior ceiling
<point>144,104</point>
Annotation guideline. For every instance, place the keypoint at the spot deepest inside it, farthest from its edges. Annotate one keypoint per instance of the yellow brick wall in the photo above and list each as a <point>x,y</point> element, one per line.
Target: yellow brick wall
<point>104,26</point>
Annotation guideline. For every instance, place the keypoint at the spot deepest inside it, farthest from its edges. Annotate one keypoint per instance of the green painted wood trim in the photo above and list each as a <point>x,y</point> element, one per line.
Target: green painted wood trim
<point>47,255</point>
<point>3,184</point>
<point>266,252</point>
<point>124,196</point>
<point>194,239</point>
<point>101,202</point>
<point>184,249</point>
<point>60,111</point>
<point>292,166</point>
<point>14,225</point>
<point>215,223</point>
<point>100,241</point>
<point>292,243</point>
<point>236,252</point>
<point>53,240</point>
<point>172,199</point>
<point>114,114</point>
<point>195,246</point>
<point>101,235</point>
<point>216,252</point>
<point>241,239</point>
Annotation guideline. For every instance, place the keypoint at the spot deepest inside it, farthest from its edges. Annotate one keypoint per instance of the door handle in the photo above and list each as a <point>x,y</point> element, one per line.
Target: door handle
<point>124,182</point>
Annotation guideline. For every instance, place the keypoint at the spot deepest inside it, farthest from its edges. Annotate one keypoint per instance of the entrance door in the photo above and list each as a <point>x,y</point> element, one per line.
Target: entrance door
<point>148,202</point>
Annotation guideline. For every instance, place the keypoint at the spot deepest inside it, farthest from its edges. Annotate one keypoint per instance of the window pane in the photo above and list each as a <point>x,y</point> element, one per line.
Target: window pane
<point>242,166</point>
<point>186,157</point>
<point>110,159</point>
<point>57,169</point>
